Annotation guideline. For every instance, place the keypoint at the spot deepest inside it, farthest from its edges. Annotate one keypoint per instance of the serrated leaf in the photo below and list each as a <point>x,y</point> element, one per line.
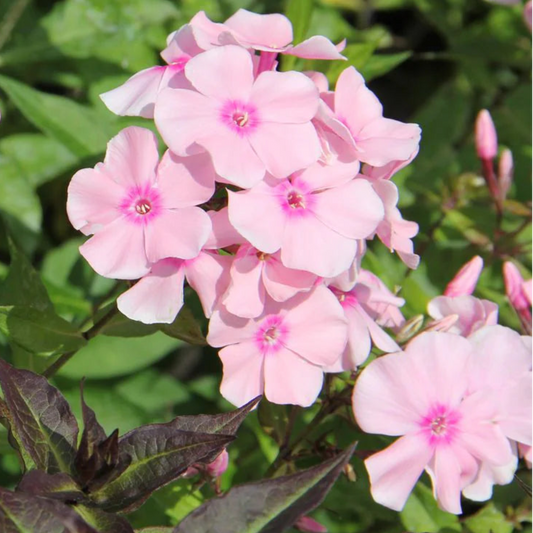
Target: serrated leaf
<point>23,285</point>
<point>40,420</point>
<point>159,454</point>
<point>380,64</point>
<point>185,328</point>
<point>39,331</point>
<point>267,506</point>
<point>22,513</point>
<point>77,127</point>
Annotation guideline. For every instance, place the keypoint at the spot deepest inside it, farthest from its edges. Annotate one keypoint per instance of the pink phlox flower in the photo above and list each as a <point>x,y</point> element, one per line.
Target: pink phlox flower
<point>472,313</point>
<point>137,96</point>
<point>270,33</point>
<point>386,172</point>
<point>368,302</point>
<point>280,353</point>
<point>465,281</point>
<point>345,281</point>
<point>357,117</point>
<point>254,275</point>
<point>486,136</point>
<point>132,205</point>
<point>306,524</point>
<point>421,396</point>
<point>316,217</point>
<point>501,365</point>
<point>158,296</point>
<point>223,234</point>
<point>247,125</point>
<point>518,292</point>
<point>394,231</point>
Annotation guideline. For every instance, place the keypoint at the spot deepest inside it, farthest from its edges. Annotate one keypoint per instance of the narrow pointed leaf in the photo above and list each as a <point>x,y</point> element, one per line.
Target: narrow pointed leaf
<point>267,506</point>
<point>58,486</point>
<point>39,331</point>
<point>185,328</point>
<point>159,454</point>
<point>41,421</point>
<point>103,522</point>
<point>22,513</point>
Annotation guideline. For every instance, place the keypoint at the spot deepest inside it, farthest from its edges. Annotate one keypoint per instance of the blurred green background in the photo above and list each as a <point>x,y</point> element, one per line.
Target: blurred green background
<point>434,62</point>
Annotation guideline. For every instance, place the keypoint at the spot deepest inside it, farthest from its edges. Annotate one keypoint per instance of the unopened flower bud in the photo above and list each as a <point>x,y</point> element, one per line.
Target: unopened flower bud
<point>465,281</point>
<point>410,328</point>
<point>486,137</point>
<point>518,297</point>
<point>443,324</point>
<point>219,465</point>
<point>309,525</point>
<point>505,173</point>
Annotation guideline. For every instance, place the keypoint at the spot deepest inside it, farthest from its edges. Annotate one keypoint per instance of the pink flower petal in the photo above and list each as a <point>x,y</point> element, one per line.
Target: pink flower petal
<point>286,148</point>
<point>316,47</point>
<point>447,479</point>
<point>208,275</point>
<point>310,245</point>
<point>93,200</point>
<point>394,471</point>
<point>223,234</point>
<point>185,181</point>
<point>177,233</point>
<point>243,373</point>
<point>157,297</point>
<point>285,97</point>
<point>132,157</point>
<point>359,344</point>
<point>516,408</point>
<point>283,283</point>
<point>223,73</point>
<point>137,96</point>
<point>321,176</point>
<point>289,379</point>
<point>265,232</point>
<point>353,210</point>
<point>317,326</point>
<point>225,328</point>
<point>117,251</point>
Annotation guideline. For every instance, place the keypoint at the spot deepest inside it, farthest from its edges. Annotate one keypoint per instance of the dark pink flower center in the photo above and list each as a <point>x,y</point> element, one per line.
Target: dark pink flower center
<point>440,425</point>
<point>240,117</point>
<point>141,204</point>
<point>262,256</point>
<point>271,334</point>
<point>296,200</point>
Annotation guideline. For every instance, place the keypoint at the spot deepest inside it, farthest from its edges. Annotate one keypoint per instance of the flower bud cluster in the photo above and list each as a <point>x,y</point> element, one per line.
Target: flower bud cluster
<point>263,202</point>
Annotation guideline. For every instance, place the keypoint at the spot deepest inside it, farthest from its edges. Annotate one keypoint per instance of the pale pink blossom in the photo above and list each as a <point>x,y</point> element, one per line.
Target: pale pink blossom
<point>280,353</point>
<point>465,281</point>
<point>394,231</point>
<point>486,137</point>
<point>364,305</point>
<point>471,313</point>
<point>217,467</point>
<point>357,117</point>
<point>315,218</point>
<point>132,204</point>
<point>247,125</point>
<point>421,396</point>
<point>518,292</point>
<point>309,525</point>
<point>254,275</point>
<point>137,96</point>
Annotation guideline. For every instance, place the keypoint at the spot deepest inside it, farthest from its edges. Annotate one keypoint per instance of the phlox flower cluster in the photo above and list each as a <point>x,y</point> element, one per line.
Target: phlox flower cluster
<point>262,203</point>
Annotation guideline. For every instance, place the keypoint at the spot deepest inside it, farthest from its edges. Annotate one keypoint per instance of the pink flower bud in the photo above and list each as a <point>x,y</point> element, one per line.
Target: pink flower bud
<point>505,173</point>
<point>309,525</point>
<point>219,465</point>
<point>519,297</point>
<point>527,14</point>
<point>486,138</point>
<point>465,280</point>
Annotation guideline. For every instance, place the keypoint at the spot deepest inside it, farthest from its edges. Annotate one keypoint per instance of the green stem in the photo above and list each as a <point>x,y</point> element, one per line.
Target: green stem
<point>89,334</point>
<point>11,19</point>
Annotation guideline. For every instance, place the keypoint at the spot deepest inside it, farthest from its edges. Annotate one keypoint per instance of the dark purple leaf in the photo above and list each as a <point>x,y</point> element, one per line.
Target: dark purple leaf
<point>56,486</point>
<point>22,513</point>
<point>103,522</point>
<point>159,454</point>
<point>267,506</point>
<point>157,529</point>
<point>40,420</point>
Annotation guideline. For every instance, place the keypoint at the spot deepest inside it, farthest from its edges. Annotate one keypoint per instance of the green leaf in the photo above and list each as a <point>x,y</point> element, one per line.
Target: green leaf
<point>299,12</point>
<point>108,357</point>
<point>159,454</point>
<point>103,522</point>
<point>185,328</point>
<point>157,529</point>
<point>77,127</point>
<point>23,285</point>
<point>489,519</point>
<point>39,332</point>
<point>267,506</point>
<point>40,420</point>
<point>122,326</point>
<point>22,513</point>
<point>273,419</point>
<point>40,158</point>
<point>421,513</point>
<point>357,56</point>
<point>380,64</point>
<point>185,500</point>
<point>17,198</point>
